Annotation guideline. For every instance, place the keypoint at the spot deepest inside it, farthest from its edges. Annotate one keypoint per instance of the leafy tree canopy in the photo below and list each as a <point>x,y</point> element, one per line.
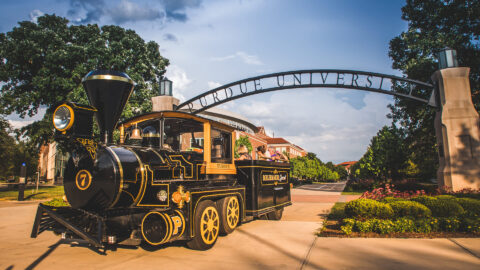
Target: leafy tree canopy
<point>43,63</point>
<point>432,26</point>
<point>385,157</point>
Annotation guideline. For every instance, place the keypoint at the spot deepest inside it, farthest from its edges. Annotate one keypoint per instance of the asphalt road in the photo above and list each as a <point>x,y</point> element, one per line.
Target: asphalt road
<point>333,187</point>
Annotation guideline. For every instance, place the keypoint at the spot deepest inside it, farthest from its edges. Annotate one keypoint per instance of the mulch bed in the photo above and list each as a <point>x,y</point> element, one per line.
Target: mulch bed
<point>332,229</point>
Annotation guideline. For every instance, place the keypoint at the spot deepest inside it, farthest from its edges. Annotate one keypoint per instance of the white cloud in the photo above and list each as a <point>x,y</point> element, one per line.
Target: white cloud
<point>15,124</point>
<point>246,58</point>
<point>128,11</point>
<point>320,122</point>
<point>34,14</point>
<point>212,85</point>
<point>180,81</point>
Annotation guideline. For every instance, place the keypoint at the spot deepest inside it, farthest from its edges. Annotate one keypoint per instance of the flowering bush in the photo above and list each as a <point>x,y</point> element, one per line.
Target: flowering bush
<point>384,226</point>
<point>389,191</point>
<point>471,225</point>
<point>427,225</point>
<point>465,191</point>
<point>450,224</point>
<point>347,226</point>
<point>364,226</point>
<point>403,225</point>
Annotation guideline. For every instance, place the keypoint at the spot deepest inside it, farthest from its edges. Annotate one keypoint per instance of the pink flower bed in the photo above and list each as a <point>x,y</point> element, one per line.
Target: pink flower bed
<point>389,191</point>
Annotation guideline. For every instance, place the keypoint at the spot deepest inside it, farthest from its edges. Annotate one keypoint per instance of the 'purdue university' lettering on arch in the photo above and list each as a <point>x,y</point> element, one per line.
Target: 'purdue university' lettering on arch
<point>320,78</point>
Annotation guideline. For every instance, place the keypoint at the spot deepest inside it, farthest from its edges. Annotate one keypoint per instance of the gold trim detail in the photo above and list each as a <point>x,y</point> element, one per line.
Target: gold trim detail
<point>83,175</point>
<point>83,108</point>
<point>180,197</point>
<point>180,165</point>
<point>90,145</point>
<point>70,124</point>
<point>183,222</point>
<point>108,77</point>
<point>169,228</point>
<point>120,169</point>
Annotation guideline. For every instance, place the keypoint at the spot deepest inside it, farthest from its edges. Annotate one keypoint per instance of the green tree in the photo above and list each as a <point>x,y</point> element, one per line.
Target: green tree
<point>385,157</point>
<point>7,150</point>
<point>243,140</point>
<point>14,152</point>
<point>43,63</point>
<point>432,26</point>
<point>311,168</point>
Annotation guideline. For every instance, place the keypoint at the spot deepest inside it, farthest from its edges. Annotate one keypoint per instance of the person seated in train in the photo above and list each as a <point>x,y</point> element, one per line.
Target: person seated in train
<point>262,153</point>
<point>243,152</point>
<point>276,155</point>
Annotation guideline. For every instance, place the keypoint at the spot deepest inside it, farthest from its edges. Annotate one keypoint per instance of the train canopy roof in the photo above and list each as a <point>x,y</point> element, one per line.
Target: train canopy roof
<point>171,114</point>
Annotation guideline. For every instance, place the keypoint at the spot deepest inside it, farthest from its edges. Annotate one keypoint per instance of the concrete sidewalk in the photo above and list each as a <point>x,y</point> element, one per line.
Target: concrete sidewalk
<point>261,244</point>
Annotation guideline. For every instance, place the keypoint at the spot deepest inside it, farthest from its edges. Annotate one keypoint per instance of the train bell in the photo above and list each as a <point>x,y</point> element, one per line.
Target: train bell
<point>136,134</point>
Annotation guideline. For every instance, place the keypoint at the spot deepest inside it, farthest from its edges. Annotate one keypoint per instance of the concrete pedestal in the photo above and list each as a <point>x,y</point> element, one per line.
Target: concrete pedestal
<point>457,127</point>
<point>163,103</point>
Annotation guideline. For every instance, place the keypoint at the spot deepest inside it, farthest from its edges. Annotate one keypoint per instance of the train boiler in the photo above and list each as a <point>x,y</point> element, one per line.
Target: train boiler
<point>170,176</point>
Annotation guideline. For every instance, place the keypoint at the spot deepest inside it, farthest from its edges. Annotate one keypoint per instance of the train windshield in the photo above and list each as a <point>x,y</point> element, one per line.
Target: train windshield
<point>182,135</point>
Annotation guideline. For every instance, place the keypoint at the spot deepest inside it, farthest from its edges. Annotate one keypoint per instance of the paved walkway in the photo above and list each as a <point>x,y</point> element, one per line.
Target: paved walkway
<point>261,244</point>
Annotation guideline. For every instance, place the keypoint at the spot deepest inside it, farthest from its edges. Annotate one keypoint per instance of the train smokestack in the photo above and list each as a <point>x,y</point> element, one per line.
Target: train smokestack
<point>108,91</point>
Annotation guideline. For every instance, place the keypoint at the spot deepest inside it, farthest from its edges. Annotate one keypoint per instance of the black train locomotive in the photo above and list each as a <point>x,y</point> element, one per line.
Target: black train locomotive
<point>171,177</point>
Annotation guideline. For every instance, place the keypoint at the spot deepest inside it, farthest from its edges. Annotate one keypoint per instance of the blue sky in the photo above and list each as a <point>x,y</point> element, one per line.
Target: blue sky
<point>211,43</point>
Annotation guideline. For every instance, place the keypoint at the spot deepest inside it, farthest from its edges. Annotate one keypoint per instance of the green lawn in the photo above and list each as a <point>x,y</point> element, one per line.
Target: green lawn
<point>338,211</point>
<point>29,193</point>
<point>352,192</point>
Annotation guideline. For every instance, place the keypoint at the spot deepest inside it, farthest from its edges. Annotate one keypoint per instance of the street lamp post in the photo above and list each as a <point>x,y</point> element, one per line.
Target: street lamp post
<point>447,58</point>
<point>165,87</point>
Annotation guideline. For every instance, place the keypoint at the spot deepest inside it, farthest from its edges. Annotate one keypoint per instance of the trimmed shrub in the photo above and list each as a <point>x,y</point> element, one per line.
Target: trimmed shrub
<point>403,225</point>
<point>56,202</point>
<point>347,226</point>
<point>383,226</point>
<point>364,226</point>
<point>427,225</point>
<point>470,225</point>
<point>450,224</point>
<point>410,209</point>
<point>391,199</point>
<point>367,208</point>
<point>446,197</point>
<point>425,200</point>
<point>471,206</point>
<point>440,207</point>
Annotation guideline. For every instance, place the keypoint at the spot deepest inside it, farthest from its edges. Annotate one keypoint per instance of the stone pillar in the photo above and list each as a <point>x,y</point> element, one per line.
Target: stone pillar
<point>457,127</point>
<point>163,103</point>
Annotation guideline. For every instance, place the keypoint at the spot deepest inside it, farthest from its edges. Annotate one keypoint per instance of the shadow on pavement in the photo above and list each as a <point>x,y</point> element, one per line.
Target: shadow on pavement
<point>44,255</point>
<point>301,261</point>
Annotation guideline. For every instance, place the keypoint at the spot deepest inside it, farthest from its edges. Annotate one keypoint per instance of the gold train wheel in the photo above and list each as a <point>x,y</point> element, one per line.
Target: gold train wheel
<point>229,208</point>
<point>206,226</point>
<point>233,212</point>
<point>209,225</point>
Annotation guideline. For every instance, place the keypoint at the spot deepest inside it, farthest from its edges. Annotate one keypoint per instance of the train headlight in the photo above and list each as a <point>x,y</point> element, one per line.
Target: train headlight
<point>63,117</point>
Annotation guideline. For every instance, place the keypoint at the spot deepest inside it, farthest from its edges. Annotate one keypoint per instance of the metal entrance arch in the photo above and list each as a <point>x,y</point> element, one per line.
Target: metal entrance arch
<point>315,78</point>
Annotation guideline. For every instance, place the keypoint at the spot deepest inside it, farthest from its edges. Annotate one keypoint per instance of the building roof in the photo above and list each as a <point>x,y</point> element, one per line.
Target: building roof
<point>347,163</point>
<point>277,141</point>
<point>299,147</point>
